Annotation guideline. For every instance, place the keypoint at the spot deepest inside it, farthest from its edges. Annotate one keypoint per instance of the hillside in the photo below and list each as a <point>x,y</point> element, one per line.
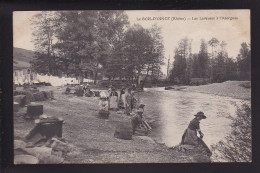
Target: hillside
<point>21,58</point>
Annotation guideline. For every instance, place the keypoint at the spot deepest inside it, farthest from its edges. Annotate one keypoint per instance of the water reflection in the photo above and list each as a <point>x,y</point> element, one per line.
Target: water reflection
<point>173,110</point>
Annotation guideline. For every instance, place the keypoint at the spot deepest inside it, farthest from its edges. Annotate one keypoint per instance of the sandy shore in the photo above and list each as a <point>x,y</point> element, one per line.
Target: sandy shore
<point>93,137</point>
<point>232,89</point>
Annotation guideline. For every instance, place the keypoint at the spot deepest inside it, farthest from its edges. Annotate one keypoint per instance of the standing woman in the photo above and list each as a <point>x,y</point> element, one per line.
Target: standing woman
<point>123,96</point>
<point>190,135</point>
<point>128,96</point>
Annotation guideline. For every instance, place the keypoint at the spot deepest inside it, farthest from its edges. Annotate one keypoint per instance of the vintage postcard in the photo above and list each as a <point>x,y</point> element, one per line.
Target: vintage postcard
<point>133,86</point>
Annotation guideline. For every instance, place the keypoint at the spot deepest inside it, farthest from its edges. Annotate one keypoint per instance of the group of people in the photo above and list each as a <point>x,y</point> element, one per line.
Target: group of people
<point>125,99</point>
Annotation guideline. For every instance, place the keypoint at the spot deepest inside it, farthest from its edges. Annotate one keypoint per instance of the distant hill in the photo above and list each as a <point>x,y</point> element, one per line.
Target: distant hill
<point>22,58</point>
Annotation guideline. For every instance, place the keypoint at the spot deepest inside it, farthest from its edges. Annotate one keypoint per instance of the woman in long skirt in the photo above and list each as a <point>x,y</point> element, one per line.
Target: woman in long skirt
<point>190,135</point>
<point>128,100</point>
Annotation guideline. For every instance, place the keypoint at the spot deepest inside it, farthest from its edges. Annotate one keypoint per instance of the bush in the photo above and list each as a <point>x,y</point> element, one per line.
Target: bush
<point>246,85</point>
<point>237,146</point>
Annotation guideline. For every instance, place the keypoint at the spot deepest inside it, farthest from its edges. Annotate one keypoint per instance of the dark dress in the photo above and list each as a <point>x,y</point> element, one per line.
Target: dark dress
<point>190,135</point>
<point>194,124</point>
<point>136,120</point>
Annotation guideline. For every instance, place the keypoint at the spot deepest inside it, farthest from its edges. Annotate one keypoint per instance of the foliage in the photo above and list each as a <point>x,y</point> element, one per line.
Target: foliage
<point>88,43</point>
<point>237,146</point>
<point>180,61</point>
<point>244,62</point>
<point>217,68</point>
<point>200,65</point>
<point>44,30</point>
<point>213,43</point>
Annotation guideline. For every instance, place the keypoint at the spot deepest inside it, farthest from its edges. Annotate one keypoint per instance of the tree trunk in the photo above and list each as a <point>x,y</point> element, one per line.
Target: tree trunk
<point>148,69</point>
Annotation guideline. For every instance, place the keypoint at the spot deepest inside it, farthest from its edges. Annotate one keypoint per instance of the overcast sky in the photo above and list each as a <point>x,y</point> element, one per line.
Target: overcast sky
<point>233,32</point>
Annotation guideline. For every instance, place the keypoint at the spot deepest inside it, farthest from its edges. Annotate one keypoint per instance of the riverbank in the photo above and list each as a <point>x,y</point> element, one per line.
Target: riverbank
<point>93,138</point>
<point>234,89</point>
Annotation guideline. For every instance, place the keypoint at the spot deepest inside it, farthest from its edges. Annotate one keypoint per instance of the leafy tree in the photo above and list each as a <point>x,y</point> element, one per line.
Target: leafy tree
<point>44,30</point>
<point>138,47</point>
<point>195,66</point>
<point>231,69</point>
<point>203,60</point>
<point>244,62</point>
<point>180,62</point>
<point>237,146</point>
<point>87,39</point>
<point>189,69</point>
<point>213,43</point>
<point>117,24</point>
<point>179,68</point>
<point>219,65</point>
<point>155,57</point>
<point>77,41</point>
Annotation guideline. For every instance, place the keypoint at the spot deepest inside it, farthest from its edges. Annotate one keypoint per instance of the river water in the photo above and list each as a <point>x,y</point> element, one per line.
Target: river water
<point>169,113</point>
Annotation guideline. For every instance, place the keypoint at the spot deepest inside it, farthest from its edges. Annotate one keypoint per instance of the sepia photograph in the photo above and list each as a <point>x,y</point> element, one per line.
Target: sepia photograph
<point>132,86</point>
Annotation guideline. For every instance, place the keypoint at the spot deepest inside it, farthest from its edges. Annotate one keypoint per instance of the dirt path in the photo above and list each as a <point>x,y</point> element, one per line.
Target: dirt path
<point>94,137</point>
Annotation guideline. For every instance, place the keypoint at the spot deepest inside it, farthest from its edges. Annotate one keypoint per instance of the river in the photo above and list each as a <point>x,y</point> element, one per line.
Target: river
<point>170,111</point>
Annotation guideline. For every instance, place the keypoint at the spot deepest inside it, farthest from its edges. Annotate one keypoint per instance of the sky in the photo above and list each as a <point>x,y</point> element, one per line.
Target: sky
<point>175,25</point>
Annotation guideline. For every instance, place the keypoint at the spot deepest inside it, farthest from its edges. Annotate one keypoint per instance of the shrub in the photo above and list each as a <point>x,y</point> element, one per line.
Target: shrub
<point>246,85</point>
<point>237,146</point>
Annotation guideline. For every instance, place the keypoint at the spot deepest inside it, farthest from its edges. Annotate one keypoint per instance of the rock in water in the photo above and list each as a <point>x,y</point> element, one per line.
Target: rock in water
<point>124,130</point>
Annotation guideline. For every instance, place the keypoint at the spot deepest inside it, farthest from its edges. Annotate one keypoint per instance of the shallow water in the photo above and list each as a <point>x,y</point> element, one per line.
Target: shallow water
<point>171,111</point>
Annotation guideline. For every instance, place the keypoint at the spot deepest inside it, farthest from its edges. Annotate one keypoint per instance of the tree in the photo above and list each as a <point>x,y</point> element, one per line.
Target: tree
<point>219,65</point>
<point>116,25</point>
<point>77,41</point>
<point>213,43</point>
<point>88,39</point>
<point>138,47</point>
<point>180,62</point>
<point>195,66</point>
<point>155,58</point>
<point>237,146</point>
<point>244,62</point>
<point>203,60</point>
<point>179,68</point>
<point>231,69</point>
<point>189,69</point>
<point>44,30</point>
